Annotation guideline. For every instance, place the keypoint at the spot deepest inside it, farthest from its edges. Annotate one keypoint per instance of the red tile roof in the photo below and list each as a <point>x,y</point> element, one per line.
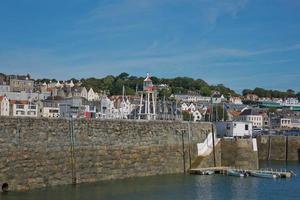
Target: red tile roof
<point>234,113</point>
<point>24,102</point>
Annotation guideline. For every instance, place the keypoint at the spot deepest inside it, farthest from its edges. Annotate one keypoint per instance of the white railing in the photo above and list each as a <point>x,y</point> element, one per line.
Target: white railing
<point>205,148</point>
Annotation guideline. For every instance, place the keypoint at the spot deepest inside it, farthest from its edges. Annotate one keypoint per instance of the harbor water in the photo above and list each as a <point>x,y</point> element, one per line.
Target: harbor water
<point>176,187</point>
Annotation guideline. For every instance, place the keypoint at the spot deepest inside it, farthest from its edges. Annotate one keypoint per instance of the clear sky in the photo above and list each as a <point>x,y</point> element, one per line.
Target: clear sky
<point>240,43</point>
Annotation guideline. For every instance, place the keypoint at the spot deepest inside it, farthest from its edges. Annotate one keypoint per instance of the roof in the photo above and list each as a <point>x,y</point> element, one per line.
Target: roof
<point>18,102</point>
<point>250,94</point>
<point>217,95</point>
<point>148,78</point>
<point>54,98</point>
<point>251,112</point>
<point>78,89</point>
<point>234,113</point>
<point>2,97</point>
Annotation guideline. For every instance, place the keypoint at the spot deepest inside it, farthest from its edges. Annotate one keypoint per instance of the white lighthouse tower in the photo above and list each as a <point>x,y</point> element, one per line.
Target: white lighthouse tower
<point>148,100</point>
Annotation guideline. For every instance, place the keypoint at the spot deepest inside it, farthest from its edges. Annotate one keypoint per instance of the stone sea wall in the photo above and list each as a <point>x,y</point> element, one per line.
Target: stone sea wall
<point>239,153</point>
<point>279,148</point>
<point>236,153</point>
<point>39,152</point>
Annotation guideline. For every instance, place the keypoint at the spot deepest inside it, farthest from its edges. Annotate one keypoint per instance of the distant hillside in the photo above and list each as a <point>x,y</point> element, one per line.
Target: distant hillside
<point>183,85</point>
<point>176,85</point>
<point>260,92</point>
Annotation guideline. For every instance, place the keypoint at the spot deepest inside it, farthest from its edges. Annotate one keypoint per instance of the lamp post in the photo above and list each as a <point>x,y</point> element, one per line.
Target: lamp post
<point>212,129</point>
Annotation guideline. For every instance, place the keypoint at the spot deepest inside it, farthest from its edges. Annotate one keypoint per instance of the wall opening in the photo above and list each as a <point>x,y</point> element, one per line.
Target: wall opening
<point>5,187</point>
<point>298,155</point>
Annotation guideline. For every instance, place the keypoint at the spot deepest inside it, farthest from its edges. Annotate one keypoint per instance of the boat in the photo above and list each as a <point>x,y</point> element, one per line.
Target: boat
<point>208,172</point>
<point>235,173</point>
<point>264,175</point>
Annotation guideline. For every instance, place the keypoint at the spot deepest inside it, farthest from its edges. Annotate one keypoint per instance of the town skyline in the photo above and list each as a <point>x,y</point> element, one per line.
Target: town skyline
<point>239,43</point>
<point>188,85</point>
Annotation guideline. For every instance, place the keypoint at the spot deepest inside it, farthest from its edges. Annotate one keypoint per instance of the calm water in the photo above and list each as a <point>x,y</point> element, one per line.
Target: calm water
<point>176,187</point>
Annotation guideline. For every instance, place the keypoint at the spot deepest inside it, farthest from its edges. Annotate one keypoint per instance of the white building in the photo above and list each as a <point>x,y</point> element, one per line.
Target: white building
<point>197,116</point>
<point>289,123</point>
<point>24,96</point>
<point>50,112</point>
<point>217,98</point>
<point>184,107</point>
<point>236,100</point>
<point>79,92</point>
<point>192,107</point>
<point>58,85</point>
<point>235,129</point>
<point>4,106</point>
<point>71,84</point>
<point>4,88</point>
<point>92,96</point>
<point>250,115</point>
<point>24,109</point>
<point>291,102</point>
<point>190,98</point>
<point>107,108</point>
<point>125,109</point>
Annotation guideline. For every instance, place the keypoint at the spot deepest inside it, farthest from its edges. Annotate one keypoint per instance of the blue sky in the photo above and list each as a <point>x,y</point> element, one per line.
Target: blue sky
<point>240,43</point>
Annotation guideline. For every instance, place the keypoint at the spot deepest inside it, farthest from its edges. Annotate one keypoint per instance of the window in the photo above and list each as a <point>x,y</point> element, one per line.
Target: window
<point>20,113</point>
<point>246,127</point>
<point>19,106</point>
<point>53,111</point>
<point>32,107</point>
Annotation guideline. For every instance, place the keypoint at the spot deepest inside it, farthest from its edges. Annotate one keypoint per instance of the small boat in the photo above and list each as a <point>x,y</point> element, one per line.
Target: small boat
<point>235,173</point>
<point>264,175</point>
<point>208,172</point>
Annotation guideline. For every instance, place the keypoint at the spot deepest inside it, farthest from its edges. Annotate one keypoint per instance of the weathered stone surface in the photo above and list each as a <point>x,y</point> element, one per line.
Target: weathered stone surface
<point>39,152</point>
<point>279,148</point>
<point>239,154</point>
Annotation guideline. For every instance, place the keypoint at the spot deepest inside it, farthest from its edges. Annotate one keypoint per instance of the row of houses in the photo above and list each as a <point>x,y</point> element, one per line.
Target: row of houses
<point>75,107</point>
<point>17,108</point>
<point>16,83</point>
<point>188,98</point>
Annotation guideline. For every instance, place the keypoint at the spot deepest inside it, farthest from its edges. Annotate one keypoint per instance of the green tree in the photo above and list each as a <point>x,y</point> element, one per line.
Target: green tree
<point>123,76</point>
<point>247,91</point>
<point>187,116</point>
<point>219,113</point>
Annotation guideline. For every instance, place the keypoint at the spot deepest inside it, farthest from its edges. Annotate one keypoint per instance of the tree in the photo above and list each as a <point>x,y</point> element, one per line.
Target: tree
<point>247,91</point>
<point>74,80</point>
<point>260,92</point>
<point>298,95</point>
<point>187,116</point>
<point>205,91</point>
<point>272,110</point>
<point>123,76</point>
<point>219,113</point>
<point>164,93</point>
<point>290,93</point>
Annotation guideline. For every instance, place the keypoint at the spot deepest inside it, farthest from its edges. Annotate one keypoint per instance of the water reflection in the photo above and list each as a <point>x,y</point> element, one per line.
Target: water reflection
<point>189,187</point>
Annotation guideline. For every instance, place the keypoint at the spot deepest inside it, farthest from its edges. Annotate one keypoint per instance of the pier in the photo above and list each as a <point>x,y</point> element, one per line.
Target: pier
<point>225,171</point>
